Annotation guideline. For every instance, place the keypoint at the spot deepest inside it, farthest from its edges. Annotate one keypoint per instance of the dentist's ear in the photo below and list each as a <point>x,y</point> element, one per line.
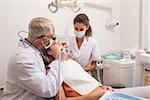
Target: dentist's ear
<point>45,40</point>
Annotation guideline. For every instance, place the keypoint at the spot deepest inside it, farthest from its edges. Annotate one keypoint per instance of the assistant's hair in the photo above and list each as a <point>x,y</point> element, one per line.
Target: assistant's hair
<point>83,18</point>
<point>40,26</point>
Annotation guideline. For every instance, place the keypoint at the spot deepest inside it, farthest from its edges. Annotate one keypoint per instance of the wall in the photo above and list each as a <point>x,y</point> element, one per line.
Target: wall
<point>18,14</point>
<point>145,25</point>
<point>131,31</point>
<point>1,42</point>
<point>108,39</point>
<point>129,24</point>
<point>148,12</point>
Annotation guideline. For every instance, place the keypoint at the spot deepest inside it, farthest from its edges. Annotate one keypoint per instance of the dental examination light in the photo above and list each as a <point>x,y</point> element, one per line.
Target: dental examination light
<point>75,5</point>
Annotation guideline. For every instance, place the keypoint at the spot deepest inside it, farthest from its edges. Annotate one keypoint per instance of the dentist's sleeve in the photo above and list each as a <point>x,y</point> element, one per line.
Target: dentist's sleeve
<point>33,80</point>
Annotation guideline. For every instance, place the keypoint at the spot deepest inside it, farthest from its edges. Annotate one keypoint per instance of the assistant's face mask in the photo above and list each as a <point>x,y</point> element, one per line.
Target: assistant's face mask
<point>80,33</point>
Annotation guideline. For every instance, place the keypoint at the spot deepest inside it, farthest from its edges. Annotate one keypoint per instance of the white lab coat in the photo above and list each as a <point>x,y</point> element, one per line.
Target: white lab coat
<point>88,52</point>
<point>26,78</point>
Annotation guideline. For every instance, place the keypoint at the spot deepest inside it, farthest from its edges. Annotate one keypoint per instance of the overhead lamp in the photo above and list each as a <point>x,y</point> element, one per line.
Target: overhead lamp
<point>73,4</point>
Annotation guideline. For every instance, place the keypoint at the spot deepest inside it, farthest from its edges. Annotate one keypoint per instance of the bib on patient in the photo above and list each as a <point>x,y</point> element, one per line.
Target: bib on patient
<point>77,78</point>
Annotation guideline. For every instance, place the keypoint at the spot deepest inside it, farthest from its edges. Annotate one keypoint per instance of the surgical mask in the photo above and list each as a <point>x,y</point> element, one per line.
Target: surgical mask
<point>80,33</point>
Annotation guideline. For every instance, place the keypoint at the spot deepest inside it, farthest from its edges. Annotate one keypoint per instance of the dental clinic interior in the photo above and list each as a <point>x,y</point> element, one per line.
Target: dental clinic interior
<point>121,27</point>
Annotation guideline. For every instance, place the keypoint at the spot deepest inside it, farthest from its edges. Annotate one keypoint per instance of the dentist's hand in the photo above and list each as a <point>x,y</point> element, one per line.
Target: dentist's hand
<point>70,56</point>
<point>48,69</point>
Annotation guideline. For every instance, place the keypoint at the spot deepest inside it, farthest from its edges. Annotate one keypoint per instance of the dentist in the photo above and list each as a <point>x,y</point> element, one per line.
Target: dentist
<point>26,79</point>
<point>83,46</point>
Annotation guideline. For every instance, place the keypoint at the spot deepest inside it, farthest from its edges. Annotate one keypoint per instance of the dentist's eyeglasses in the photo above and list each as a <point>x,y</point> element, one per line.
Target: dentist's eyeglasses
<point>51,42</point>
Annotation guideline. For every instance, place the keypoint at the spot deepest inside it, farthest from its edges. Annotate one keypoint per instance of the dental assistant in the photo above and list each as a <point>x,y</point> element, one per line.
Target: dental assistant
<point>26,78</point>
<point>83,46</point>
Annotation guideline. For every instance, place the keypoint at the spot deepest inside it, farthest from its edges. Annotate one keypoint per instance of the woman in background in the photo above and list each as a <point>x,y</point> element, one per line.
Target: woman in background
<point>83,46</point>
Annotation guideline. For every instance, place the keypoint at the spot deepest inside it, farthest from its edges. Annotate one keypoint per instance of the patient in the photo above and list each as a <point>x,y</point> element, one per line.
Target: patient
<point>78,82</point>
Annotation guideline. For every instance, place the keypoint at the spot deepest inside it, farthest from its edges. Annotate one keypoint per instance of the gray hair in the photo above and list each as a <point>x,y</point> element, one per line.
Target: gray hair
<point>40,26</point>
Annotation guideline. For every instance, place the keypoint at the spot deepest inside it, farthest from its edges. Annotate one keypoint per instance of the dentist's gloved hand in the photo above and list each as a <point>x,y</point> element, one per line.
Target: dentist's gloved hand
<point>70,56</point>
